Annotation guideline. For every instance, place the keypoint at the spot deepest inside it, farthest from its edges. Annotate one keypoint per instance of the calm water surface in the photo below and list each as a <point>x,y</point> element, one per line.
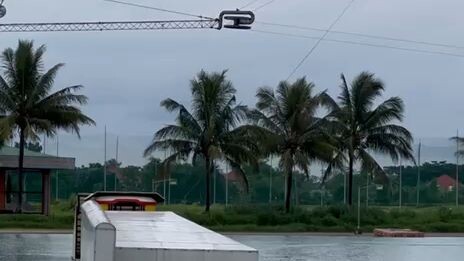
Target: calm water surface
<point>272,248</point>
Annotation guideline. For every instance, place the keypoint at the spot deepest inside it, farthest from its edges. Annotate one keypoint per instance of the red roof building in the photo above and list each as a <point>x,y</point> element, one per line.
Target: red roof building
<point>446,183</point>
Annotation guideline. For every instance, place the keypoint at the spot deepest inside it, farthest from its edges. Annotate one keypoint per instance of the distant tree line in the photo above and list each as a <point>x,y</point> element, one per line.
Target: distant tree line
<point>188,186</point>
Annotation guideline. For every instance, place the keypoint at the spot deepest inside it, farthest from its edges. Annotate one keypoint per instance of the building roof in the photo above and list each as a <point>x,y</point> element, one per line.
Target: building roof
<point>11,151</point>
<point>445,182</point>
<point>9,157</point>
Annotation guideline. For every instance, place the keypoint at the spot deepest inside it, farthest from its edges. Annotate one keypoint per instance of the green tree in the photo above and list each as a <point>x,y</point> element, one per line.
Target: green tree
<point>27,105</point>
<point>211,130</point>
<point>32,146</point>
<point>362,128</point>
<point>293,132</point>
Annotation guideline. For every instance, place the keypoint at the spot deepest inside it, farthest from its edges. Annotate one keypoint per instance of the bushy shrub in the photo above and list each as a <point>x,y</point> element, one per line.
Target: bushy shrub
<point>338,211</point>
<point>402,213</point>
<point>445,214</point>
<point>445,227</point>
<point>329,221</point>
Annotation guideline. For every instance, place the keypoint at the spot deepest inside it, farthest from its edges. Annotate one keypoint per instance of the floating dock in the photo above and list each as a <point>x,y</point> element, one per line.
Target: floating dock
<point>152,236</point>
<point>389,232</point>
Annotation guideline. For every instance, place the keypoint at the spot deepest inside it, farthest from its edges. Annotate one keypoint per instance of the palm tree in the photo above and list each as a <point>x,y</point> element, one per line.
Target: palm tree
<point>294,133</point>
<point>363,128</point>
<point>27,105</point>
<point>209,131</point>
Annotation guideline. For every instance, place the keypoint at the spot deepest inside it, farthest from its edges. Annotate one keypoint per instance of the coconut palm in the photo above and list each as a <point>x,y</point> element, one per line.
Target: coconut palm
<point>27,104</point>
<point>363,128</point>
<point>209,131</point>
<point>294,133</point>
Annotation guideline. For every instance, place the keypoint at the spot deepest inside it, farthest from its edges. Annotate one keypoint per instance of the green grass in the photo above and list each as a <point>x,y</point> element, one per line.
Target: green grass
<point>265,218</point>
<point>61,217</point>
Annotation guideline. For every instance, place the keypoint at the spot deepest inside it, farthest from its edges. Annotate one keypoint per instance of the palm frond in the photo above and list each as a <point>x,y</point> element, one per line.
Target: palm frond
<point>370,165</point>
<point>390,110</point>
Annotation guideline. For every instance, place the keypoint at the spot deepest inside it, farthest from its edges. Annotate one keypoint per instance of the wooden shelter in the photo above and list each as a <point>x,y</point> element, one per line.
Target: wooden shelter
<point>36,180</point>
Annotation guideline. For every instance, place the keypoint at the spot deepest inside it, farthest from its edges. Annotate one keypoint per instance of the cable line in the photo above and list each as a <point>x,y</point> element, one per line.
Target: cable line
<point>363,35</point>
<point>159,9</point>
<point>359,43</point>
<point>320,39</point>
<point>247,5</point>
<point>263,5</point>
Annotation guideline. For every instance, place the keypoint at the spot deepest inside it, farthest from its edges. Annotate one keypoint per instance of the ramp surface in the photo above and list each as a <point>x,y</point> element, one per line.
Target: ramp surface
<point>165,236</point>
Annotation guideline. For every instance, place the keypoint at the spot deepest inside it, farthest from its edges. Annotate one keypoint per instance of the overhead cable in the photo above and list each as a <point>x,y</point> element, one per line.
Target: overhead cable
<point>320,39</point>
<point>263,5</point>
<point>362,35</point>
<point>248,4</point>
<point>359,43</point>
<point>159,9</point>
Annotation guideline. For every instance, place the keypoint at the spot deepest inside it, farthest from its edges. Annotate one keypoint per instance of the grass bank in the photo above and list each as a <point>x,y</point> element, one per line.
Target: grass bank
<point>61,217</point>
<point>265,218</point>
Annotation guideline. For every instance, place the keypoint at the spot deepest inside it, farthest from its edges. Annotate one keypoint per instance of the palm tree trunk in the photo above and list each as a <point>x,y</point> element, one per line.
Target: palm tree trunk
<point>350,180</point>
<point>20,169</point>
<point>208,181</point>
<point>288,191</point>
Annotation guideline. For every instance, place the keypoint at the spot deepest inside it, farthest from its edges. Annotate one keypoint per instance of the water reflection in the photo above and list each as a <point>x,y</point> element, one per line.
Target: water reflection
<point>316,248</point>
<point>37,247</point>
<point>272,248</point>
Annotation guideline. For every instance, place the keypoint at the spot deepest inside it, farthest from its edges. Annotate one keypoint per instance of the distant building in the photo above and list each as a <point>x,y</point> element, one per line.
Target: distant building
<point>36,180</point>
<point>446,183</point>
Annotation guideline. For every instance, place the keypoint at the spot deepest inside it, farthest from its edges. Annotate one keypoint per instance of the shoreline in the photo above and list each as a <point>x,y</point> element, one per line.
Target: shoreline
<point>325,234</point>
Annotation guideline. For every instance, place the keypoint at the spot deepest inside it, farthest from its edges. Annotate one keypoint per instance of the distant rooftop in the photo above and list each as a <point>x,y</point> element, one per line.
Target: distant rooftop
<point>11,151</point>
<point>33,160</point>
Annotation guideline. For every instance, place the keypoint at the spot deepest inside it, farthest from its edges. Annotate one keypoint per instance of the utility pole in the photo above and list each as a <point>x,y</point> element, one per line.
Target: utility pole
<point>344,188</point>
<point>104,164</point>
<point>418,174</point>
<point>169,188</point>
<point>295,182</point>
<point>322,187</point>
<point>270,181</point>
<point>57,155</point>
<point>45,144</point>
<point>214,184</point>
<point>359,210</point>
<point>401,182</point>
<point>457,169</point>
<point>367,190</point>
<point>227,185</point>
<point>164,179</point>
<point>117,164</point>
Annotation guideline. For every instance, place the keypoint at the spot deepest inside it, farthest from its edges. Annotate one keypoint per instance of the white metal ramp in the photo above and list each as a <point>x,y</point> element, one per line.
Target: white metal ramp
<point>153,236</point>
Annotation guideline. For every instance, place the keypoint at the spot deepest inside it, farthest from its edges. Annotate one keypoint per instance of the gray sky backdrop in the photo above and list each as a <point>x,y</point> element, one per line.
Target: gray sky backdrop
<point>127,74</point>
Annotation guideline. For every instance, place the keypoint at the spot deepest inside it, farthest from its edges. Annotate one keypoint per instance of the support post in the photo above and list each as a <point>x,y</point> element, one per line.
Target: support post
<point>359,210</point>
<point>2,190</point>
<point>46,192</point>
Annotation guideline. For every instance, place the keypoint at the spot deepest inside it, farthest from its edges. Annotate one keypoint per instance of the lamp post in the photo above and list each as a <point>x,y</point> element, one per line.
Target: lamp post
<point>457,169</point>
<point>401,183</point>
<point>270,181</point>
<point>358,228</point>
<point>418,174</point>
<point>226,176</point>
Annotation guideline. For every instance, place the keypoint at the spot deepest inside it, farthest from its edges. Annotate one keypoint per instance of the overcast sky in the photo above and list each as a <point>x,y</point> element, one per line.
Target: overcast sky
<point>127,74</point>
